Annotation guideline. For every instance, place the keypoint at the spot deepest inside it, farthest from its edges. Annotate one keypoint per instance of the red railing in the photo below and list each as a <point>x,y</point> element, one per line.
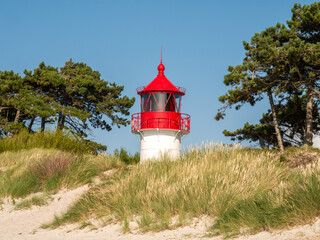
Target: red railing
<point>181,89</point>
<point>139,89</point>
<point>161,120</point>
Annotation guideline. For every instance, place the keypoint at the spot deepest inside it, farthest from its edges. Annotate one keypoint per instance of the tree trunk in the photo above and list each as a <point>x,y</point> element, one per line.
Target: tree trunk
<point>275,121</point>
<point>314,90</point>
<point>16,120</point>
<point>308,135</point>
<point>17,117</point>
<point>43,123</point>
<point>262,143</point>
<point>30,124</point>
<point>61,121</point>
<point>7,116</point>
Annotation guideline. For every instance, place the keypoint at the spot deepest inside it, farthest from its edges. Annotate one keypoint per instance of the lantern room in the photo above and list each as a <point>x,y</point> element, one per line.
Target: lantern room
<point>160,123</point>
<point>161,105</point>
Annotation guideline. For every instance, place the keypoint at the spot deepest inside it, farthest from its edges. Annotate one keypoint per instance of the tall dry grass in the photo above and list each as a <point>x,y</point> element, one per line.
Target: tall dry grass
<point>240,189</point>
<point>29,171</point>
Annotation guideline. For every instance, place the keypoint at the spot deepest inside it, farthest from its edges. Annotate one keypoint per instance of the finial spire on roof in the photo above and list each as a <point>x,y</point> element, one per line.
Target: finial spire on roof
<point>161,66</point>
<point>161,83</point>
<point>161,53</point>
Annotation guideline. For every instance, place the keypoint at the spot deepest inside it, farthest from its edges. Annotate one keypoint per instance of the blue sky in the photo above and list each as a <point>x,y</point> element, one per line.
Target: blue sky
<point>122,40</point>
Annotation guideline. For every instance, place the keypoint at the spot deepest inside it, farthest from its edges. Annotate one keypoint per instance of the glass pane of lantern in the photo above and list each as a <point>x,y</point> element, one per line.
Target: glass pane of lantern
<point>144,99</point>
<point>171,105</point>
<point>151,104</point>
<point>161,99</point>
<point>178,101</point>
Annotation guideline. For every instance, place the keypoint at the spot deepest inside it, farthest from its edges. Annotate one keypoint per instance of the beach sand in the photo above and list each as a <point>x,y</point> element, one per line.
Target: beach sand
<point>25,225</point>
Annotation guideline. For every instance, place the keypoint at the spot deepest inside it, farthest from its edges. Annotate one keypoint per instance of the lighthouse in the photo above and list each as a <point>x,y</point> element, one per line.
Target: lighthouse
<point>160,124</point>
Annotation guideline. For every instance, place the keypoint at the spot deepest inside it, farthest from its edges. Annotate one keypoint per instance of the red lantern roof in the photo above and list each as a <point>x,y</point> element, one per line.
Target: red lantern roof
<point>161,84</point>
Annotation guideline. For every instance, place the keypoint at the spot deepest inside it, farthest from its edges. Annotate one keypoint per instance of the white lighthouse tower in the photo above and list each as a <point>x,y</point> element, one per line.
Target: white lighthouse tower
<point>160,123</point>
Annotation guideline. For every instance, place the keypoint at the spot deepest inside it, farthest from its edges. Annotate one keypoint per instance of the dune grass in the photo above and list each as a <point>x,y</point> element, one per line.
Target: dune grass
<point>36,200</point>
<point>61,140</point>
<point>242,190</point>
<point>29,171</point>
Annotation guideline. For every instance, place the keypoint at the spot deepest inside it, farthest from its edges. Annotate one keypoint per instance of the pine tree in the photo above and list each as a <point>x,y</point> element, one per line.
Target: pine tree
<point>74,98</point>
<point>281,61</point>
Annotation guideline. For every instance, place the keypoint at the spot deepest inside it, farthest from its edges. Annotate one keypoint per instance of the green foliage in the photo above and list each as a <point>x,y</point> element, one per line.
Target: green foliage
<point>264,133</point>
<point>13,96</point>
<point>291,115</point>
<point>283,158</point>
<point>283,63</point>
<point>126,157</point>
<point>50,140</point>
<point>305,19</point>
<point>74,97</point>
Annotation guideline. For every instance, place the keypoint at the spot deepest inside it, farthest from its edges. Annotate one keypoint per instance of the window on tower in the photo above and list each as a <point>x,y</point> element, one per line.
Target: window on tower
<point>155,102</point>
<point>149,104</point>
<point>171,104</point>
<point>178,102</point>
<point>161,99</point>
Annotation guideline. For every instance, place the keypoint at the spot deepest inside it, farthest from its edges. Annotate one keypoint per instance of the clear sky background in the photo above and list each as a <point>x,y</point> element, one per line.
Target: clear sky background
<point>122,40</point>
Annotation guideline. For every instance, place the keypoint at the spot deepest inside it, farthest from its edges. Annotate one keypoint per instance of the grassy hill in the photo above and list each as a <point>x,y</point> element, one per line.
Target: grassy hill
<point>241,190</point>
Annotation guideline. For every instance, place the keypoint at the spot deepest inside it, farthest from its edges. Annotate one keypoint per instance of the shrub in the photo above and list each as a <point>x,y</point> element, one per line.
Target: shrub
<point>126,157</point>
<point>52,165</point>
<point>302,158</point>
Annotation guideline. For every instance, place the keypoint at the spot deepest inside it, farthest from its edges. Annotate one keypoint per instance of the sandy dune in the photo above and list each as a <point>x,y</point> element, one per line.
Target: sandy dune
<point>24,225</point>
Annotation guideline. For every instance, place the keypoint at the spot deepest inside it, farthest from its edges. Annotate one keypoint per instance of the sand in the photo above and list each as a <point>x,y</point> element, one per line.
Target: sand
<point>24,225</point>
